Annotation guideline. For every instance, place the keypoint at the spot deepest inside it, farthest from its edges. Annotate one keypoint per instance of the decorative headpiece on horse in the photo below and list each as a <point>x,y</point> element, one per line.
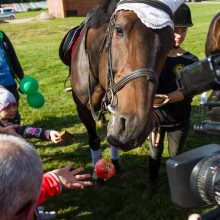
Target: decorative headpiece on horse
<point>152,16</point>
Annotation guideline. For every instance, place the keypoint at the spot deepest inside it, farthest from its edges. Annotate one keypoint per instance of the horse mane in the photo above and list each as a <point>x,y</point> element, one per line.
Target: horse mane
<point>102,13</point>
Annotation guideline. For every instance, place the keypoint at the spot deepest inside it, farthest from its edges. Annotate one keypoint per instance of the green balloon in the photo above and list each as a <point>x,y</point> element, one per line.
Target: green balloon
<point>29,85</point>
<point>35,100</point>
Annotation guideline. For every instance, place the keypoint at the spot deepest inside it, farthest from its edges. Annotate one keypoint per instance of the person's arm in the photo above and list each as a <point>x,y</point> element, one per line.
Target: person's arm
<point>50,187</point>
<point>27,131</point>
<point>31,132</point>
<point>12,57</point>
<point>163,99</point>
<point>11,129</point>
<point>54,181</point>
<point>175,96</point>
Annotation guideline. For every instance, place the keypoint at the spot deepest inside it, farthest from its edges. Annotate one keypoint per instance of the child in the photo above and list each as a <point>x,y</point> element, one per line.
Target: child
<point>8,112</point>
<point>174,117</point>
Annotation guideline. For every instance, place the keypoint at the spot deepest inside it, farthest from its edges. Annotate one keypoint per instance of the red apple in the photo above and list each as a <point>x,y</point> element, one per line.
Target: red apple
<point>104,169</point>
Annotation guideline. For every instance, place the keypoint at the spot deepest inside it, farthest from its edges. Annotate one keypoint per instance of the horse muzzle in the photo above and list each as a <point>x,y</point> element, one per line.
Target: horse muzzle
<point>127,132</point>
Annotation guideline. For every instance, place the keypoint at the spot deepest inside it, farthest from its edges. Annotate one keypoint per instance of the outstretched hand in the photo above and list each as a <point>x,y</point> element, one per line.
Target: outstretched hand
<point>73,179</point>
<point>55,136</point>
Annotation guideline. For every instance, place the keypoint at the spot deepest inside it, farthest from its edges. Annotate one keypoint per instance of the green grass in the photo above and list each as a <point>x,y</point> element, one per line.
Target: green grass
<point>37,46</point>
<point>29,14</point>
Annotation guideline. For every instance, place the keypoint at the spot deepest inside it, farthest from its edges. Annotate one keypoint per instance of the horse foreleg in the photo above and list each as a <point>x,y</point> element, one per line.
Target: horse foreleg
<point>89,123</point>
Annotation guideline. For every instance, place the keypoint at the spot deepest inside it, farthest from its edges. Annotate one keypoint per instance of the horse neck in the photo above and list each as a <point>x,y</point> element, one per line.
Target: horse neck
<point>94,46</point>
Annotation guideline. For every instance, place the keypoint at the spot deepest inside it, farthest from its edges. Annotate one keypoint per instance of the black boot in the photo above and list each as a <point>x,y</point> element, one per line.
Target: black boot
<point>118,169</point>
<point>150,190</point>
<point>151,187</point>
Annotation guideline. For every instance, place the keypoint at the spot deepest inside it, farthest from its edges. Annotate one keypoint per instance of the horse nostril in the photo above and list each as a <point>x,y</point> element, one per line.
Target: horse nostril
<point>122,122</point>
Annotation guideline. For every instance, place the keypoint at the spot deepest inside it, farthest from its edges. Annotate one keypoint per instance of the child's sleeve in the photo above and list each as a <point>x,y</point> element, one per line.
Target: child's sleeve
<point>51,186</point>
<point>31,132</point>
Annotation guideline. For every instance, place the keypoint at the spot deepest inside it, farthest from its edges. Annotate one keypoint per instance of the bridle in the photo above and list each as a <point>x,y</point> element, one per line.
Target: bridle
<point>111,87</point>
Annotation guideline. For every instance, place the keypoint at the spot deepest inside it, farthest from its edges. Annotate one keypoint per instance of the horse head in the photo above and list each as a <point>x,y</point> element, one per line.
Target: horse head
<point>126,44</point>
<point>134,58</point>
<point>212,44</point>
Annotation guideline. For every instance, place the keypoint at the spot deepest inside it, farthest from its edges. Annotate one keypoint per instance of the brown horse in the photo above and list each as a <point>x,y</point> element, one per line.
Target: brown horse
<point>115,67</point>
<point>212,45</point>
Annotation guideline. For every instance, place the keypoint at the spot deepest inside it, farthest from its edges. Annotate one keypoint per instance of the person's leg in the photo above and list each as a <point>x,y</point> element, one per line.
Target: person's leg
<point>155,154</point>
<point>154,160</point>
<point>177,138</point>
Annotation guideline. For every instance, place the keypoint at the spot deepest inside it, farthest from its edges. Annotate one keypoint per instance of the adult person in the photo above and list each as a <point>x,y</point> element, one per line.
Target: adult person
<point>174,117</point>
<point>10,67</point>
<point>23,185</point>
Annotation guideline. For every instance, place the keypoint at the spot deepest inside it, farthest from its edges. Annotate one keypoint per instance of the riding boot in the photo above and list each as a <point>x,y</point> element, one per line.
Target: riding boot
<point>97,181</point>
<point>151,187</point>
<point>150,190</point>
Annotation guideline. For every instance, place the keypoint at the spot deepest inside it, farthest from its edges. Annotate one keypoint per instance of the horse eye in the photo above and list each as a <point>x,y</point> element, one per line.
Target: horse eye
<point>119,31</point>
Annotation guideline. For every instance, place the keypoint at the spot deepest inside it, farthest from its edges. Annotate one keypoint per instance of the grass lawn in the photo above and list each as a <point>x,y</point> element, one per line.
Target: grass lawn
<point>37,44</point>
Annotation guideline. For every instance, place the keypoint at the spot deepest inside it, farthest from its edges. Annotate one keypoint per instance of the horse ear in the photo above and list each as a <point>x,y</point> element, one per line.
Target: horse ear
<point>217,33</point>
<point>212,44</point>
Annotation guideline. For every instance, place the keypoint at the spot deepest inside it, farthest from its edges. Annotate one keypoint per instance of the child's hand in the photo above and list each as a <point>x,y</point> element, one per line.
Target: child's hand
<point>55,137</point>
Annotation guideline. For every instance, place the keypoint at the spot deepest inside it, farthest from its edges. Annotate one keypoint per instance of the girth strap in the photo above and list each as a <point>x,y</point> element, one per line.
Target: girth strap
<point>153,3</point>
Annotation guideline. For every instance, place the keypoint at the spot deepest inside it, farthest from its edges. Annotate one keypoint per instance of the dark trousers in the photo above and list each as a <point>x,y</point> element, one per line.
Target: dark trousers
<point>176,139</point>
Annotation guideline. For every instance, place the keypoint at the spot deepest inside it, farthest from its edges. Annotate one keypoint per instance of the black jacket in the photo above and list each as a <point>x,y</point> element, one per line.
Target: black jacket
<point>173,114</point>
<point>14,63</point>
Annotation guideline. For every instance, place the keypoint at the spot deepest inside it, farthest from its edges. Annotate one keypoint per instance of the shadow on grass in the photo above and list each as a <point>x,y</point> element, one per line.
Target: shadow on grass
<point>58,123</point>
<point>120,197</point>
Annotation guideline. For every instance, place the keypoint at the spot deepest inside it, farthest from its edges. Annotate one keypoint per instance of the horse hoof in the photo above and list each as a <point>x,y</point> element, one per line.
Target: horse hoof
<point>97,181</point>
<point>118,169</point>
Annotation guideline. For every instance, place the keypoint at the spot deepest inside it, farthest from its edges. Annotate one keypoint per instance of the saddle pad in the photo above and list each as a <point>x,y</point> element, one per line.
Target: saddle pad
<point>65,49</point>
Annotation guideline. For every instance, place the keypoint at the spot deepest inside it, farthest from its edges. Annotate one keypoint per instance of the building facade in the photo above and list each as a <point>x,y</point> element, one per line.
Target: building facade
<point>66,8</point>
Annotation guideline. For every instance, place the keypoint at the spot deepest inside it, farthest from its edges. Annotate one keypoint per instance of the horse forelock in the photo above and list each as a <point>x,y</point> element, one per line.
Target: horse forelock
<point>102,13</point>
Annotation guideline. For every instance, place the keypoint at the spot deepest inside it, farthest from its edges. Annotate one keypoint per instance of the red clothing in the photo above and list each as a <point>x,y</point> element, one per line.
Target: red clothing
<point>51,186</point>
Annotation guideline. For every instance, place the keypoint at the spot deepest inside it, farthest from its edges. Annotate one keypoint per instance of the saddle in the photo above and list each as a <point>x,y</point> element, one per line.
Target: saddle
<point>65,49</point>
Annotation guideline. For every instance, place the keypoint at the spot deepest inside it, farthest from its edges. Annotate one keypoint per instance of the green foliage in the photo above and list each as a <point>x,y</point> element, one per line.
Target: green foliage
<point>37,44</point>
